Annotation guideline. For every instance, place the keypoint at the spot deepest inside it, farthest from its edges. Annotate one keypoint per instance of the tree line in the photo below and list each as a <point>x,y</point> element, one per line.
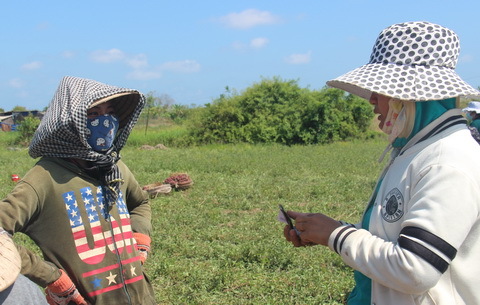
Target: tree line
<point>270,111</point>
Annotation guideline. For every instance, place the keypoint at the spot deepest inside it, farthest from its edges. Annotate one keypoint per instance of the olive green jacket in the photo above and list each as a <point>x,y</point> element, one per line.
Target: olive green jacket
<point>62,210</point>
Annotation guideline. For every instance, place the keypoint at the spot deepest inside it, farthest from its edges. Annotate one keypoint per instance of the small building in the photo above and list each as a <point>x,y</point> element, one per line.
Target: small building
<point>10,120</point>
<point>6,122</point>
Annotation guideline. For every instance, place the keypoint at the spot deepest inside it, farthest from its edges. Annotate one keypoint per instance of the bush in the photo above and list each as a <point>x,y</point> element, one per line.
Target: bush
<point>277,111</point>
<point>26,129</point>
<point>334,115</point>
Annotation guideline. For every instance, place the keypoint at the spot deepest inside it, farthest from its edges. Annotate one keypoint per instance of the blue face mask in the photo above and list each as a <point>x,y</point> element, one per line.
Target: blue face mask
<point>468,116</point>
<point>101,132</point>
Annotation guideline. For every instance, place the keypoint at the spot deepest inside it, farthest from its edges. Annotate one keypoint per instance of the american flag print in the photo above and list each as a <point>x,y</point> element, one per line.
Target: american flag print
<point>117,239</point>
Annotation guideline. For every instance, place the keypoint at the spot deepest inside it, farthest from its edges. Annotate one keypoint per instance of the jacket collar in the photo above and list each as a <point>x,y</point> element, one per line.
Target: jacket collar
<point>450,118</point>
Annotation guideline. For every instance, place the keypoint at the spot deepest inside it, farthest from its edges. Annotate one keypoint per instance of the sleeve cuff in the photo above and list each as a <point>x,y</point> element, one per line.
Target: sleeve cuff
<point>338,237</point>
<point>142,240</point>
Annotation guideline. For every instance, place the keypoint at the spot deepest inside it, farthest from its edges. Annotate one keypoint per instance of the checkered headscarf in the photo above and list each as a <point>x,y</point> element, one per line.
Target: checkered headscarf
<point>62,131</point>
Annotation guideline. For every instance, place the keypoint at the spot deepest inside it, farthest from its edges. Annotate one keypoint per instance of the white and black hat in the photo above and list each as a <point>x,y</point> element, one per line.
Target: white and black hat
<point>413,61</point>
<point>472,106</point>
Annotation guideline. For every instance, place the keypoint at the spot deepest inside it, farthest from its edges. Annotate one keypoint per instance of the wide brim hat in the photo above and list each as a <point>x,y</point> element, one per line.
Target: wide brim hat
<point>10,261</point>
<point>413,61</point>
<point>472,106</point>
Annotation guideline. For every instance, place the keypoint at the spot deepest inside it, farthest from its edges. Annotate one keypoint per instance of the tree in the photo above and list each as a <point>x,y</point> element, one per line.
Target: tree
<point>27,128</point>
<point>150,102</point>
<point>166,100</point>
<point>178,112</point>
<point>19,108</point>
<point>278,111</point>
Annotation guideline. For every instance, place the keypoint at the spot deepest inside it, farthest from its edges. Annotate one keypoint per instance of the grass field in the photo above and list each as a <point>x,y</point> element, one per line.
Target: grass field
<point>219,242</point>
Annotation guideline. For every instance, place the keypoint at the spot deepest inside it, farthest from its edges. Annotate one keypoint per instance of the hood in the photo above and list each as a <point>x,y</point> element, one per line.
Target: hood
<point>62,131</point>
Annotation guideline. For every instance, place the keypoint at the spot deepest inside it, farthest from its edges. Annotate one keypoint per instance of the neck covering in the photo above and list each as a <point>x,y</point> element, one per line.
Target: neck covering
<point>425,113</point>
<point>62,132</point>
<point>411,119</point>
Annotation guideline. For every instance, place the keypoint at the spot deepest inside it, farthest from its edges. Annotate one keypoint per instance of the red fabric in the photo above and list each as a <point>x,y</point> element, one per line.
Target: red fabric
<point>63,292</point>
<point>143,240</point>
<point>143,245</point>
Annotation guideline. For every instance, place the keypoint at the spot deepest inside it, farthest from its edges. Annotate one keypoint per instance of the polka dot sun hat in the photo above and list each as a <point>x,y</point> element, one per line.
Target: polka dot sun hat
<point>412,61</point>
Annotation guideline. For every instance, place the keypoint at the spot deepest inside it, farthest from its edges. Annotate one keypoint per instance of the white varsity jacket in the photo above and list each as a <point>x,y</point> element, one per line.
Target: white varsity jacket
<point>423,243</point>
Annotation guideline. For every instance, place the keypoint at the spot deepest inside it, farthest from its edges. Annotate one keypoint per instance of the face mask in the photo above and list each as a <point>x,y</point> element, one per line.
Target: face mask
<point>400,119</point>
<point>101,132</point>
<point>394,108</point>
<point>468,116</point>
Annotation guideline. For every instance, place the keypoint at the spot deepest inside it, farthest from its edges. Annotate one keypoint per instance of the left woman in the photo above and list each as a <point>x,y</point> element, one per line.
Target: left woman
<point>80,204</point>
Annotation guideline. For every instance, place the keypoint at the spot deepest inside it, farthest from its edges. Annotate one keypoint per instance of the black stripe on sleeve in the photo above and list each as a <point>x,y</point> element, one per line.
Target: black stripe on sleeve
<point>337,247</point>
<point>431,239</point>
<point>433,259</point>
<point>343,239</point>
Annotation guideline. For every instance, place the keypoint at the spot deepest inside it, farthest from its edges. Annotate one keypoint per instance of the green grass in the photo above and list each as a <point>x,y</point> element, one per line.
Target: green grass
<point>154,135</point>
<point>219,242</point>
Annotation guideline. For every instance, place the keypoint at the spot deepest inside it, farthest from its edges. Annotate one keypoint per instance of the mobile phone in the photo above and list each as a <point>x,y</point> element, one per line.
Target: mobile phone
<point>289,220</point>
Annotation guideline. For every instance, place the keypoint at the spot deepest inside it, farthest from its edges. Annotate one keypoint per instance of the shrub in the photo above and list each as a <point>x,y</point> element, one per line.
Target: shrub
<point>334,115</point>
<point>26,129</point>
<point>277,111</point>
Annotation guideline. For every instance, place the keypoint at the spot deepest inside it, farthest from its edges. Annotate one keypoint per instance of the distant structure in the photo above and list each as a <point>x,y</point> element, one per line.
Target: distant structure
<point>10,120</point>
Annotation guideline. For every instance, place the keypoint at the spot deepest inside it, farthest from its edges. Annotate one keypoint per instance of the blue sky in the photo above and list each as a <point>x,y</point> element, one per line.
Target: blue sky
<point>192,50</point>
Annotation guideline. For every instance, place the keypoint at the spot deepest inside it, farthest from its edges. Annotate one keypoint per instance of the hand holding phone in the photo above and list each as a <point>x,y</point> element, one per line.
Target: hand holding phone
<point>288,220</point>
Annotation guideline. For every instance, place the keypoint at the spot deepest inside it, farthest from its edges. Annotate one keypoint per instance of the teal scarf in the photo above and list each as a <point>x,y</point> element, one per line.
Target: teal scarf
<point>425,113</point>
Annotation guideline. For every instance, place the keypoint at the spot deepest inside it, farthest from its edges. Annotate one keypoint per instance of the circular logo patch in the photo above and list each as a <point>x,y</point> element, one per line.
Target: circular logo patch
<point>392,206</point>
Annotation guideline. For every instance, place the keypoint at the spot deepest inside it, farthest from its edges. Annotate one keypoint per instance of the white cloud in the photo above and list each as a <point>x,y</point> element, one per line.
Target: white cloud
<point>68,54</point>
<point>34,65</point>
<point>258,43</point>
<point>249,18</point>
<point>107,56</point>
<point>140,66</point>
<point>183,66</point>
<point>137,61</point>
<point>16,83</point>
<point>296,59</point>
<point>144,75</point>
<point>141,71</point>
